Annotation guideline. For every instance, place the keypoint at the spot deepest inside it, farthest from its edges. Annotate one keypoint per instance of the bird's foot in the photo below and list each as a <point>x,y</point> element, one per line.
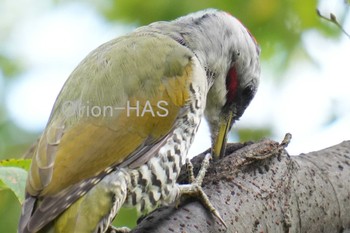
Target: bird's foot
<point>195,187</point>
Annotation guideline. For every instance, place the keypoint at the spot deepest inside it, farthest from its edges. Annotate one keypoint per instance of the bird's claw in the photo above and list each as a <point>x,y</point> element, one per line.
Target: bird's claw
<point>195,187</point>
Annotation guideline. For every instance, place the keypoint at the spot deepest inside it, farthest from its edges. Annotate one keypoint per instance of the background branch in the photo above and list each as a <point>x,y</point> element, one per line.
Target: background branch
<point>333,19</point>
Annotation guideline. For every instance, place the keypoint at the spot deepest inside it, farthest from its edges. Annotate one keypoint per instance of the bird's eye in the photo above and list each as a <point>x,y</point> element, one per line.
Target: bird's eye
<point>248,92</point>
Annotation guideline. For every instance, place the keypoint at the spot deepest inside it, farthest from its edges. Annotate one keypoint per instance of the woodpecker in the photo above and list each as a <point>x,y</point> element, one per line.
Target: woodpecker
<point>122,125</point>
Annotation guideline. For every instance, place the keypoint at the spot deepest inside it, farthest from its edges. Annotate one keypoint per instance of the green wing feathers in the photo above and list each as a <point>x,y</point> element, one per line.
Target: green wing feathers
<point>81,139</point>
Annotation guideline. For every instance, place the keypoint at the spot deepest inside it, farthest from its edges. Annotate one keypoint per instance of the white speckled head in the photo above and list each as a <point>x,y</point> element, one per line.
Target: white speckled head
<point>230,56</point>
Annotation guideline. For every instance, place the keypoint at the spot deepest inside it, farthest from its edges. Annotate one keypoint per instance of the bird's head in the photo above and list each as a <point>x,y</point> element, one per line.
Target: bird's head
<point>230,56</point>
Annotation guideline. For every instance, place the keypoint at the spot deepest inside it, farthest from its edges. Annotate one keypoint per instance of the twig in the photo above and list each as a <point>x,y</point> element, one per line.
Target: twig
<point>334,20</point>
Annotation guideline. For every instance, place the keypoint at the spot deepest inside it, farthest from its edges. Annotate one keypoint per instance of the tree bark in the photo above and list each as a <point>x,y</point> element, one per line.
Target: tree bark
<point>258,187</point>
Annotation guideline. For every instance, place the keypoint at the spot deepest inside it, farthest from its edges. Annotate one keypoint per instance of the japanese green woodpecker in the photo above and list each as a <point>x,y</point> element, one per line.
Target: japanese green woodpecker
<point>121,127</point>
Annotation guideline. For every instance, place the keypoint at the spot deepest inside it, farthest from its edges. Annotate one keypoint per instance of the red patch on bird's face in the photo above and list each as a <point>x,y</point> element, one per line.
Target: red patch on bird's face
<point>231,85</point>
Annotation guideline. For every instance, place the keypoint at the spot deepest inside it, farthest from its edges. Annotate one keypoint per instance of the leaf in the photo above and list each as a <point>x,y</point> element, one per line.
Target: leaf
<point>20,163</point>
<point>13,178</point>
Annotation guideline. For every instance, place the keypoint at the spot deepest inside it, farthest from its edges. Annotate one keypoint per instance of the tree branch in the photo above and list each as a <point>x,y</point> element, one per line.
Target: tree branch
<point>259,188</point>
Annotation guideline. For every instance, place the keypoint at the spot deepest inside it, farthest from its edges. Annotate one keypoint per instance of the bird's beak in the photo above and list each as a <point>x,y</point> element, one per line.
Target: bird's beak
<point>219,145</point>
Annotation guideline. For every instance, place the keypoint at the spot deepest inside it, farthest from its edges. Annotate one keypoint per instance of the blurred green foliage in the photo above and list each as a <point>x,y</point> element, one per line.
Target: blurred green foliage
<point>19,163</point>
<point>126,217</point>
<point>10,67</point>
<point>14,179</point>
<point>277,25</point>
<point>9,211</point>
<point>14,141</point>
<point>13,173</point>
<point>249,134</point>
